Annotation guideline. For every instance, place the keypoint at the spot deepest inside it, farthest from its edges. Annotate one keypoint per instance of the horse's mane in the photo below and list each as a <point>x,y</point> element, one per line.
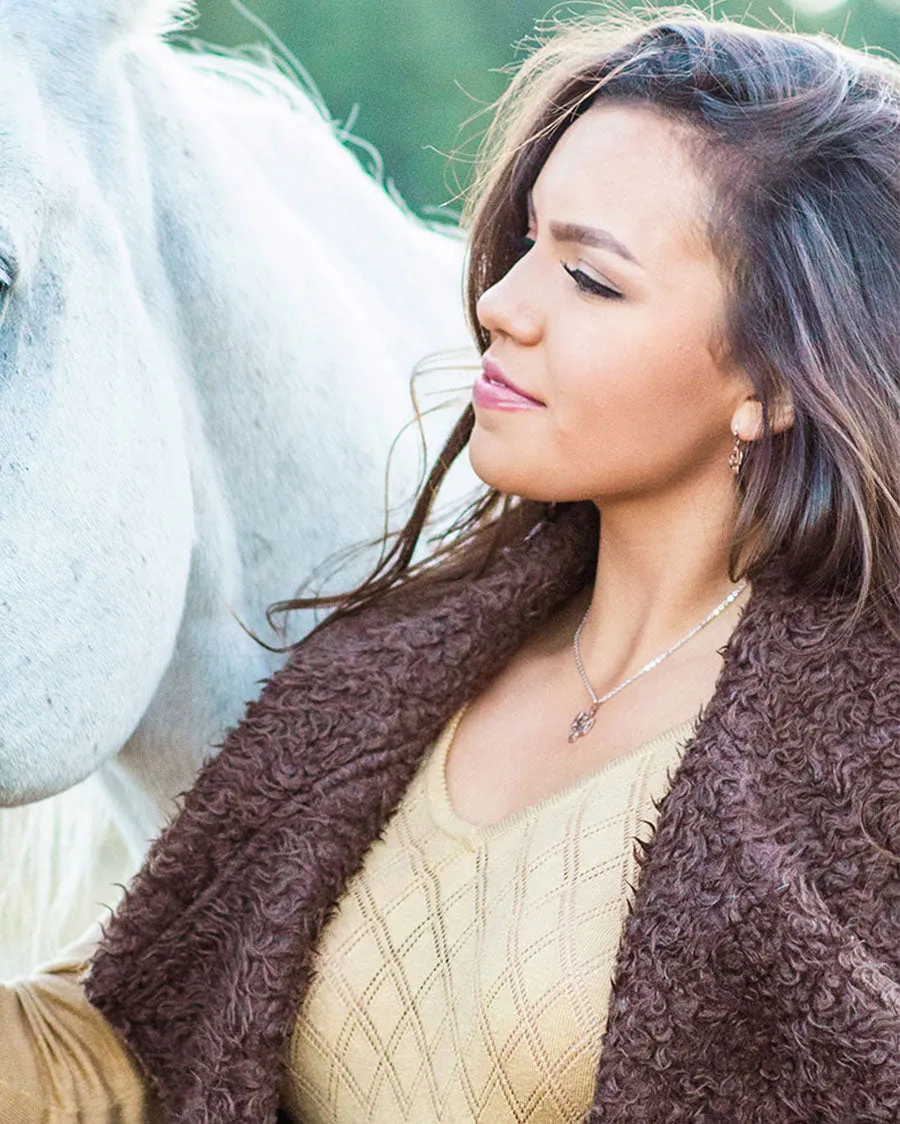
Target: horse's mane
<point>272,71</point>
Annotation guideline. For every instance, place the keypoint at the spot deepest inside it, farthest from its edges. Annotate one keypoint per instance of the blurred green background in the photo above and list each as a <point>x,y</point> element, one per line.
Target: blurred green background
<point>408,74</point>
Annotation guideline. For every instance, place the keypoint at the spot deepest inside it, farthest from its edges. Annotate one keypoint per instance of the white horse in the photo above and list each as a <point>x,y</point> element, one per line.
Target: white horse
<point>210,316</point>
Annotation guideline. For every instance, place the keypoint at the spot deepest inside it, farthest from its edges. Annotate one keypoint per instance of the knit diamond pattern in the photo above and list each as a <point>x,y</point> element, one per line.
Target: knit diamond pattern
<point>465,975</point>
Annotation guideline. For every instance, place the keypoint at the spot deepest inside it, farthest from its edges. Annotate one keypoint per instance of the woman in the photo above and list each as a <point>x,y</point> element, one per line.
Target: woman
<point>399,892</point>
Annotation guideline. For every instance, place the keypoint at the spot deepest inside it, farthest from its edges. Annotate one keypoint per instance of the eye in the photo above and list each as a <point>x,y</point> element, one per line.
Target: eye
<point>588,284</point>
<point>8,272</point>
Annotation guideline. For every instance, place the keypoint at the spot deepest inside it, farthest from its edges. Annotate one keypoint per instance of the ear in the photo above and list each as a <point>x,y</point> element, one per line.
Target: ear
<point>747,420</point>
<point>89,23</point>
<point>128,17</point>
<point>154,16</point>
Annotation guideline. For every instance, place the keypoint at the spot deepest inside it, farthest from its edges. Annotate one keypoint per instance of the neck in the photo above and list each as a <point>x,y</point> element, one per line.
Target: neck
<point>661,569</point>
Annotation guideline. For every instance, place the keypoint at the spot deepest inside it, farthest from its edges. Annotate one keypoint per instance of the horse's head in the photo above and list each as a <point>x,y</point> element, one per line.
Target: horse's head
<point>92,463</point>
<point>210,318</point>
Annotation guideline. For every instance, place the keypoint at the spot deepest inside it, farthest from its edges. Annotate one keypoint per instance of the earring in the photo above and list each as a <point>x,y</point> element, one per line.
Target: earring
<point>736,459</point>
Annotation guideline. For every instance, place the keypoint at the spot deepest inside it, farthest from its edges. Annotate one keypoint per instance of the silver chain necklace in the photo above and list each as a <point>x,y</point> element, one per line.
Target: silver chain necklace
<point>584,720</point>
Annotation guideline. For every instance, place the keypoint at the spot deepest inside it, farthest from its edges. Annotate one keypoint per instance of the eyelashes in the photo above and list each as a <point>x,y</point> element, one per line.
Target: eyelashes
<point>583,281</point>
<point>588,284</point>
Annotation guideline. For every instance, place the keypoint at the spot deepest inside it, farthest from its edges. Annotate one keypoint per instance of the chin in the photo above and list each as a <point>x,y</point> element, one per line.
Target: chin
<point>506,475</point>
<point>489,463</point>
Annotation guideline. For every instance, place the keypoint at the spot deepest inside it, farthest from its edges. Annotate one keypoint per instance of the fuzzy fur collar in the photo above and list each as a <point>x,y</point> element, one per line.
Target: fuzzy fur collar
<point>758,980</point>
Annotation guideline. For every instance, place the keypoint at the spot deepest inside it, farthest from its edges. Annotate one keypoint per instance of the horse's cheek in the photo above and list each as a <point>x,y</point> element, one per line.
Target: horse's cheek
<point>96,533</point>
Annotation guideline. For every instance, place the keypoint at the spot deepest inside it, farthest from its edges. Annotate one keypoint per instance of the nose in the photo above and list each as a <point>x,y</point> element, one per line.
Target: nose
<point>508,308</point>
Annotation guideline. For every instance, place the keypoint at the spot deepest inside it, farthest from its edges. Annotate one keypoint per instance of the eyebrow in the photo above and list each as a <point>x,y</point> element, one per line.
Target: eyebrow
<point>591,236</point>
<point>580,235</point>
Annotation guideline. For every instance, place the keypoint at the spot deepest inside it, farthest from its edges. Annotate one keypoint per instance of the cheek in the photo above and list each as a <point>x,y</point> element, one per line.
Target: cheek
<point>626,414</point>
<point>559,454</point>
<point>606,408</point>
<point>652,397</point>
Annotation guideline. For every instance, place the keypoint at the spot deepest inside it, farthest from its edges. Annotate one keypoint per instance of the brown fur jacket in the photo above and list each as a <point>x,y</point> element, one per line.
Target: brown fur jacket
<point>758,980</point>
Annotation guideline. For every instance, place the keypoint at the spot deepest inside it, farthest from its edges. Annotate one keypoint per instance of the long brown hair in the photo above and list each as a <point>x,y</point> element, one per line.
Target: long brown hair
<point>801,140</point>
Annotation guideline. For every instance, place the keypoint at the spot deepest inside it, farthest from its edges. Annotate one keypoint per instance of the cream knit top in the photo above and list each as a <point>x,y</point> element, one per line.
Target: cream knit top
<point>464,977</point>
<point>466,973</point>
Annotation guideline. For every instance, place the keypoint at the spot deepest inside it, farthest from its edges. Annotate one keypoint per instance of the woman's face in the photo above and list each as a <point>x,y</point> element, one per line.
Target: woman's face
<point>609,323</point>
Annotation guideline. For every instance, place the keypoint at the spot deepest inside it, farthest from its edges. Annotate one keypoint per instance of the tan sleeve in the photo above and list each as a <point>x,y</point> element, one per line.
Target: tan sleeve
<point>60,1061</point>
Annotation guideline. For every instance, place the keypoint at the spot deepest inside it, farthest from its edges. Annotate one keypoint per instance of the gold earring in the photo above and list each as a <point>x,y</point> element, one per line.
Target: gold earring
<point>736,459</point>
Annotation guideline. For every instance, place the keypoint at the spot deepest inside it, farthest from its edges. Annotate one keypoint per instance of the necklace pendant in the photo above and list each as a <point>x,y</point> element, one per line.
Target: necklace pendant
<point>582,724</point>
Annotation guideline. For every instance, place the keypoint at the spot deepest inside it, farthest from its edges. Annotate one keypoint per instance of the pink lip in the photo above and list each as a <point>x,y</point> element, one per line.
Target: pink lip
<point>494,391</point>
